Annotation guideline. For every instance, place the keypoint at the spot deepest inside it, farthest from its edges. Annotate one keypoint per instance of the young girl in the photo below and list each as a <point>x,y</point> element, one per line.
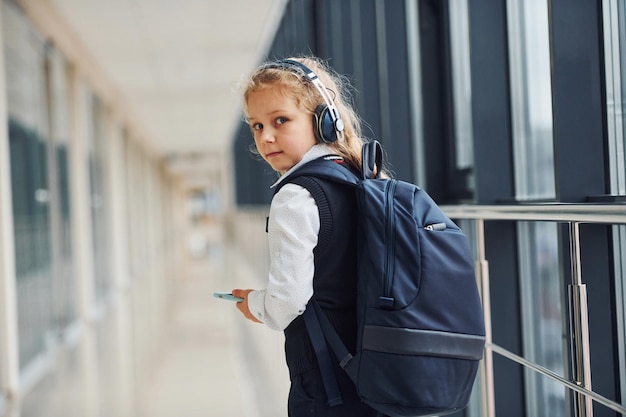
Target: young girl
<point>298,111</point>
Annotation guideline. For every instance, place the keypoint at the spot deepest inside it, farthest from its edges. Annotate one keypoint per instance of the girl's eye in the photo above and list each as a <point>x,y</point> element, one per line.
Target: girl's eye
<point>257,126</point>
<point>281,120</point>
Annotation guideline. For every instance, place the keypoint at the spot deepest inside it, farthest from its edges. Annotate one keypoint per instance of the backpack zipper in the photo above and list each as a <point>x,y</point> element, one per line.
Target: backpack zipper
<point>435,226</point>
<point>387,300</point>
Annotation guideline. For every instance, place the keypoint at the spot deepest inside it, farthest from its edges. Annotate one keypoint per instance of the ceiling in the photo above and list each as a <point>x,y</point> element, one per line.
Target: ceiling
<point>176,64</point>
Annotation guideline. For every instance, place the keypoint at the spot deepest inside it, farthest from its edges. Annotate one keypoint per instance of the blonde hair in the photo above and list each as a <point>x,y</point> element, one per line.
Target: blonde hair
<point>306,96</point>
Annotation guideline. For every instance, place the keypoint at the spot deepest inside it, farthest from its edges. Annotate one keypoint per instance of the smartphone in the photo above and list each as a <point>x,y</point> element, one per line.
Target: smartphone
<point>227,296</point>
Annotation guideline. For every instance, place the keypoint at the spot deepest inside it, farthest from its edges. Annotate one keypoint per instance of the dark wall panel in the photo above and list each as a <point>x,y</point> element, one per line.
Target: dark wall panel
<point>490,101</point>
<point>366,71</point>
<point>501,251</point>
<point>578,99</point>
<point>253,176</point>
<point>436,95</point>
<point>398,143</point>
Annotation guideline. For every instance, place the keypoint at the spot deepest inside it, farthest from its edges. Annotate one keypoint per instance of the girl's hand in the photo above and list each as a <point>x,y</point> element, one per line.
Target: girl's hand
<point>243,305</point>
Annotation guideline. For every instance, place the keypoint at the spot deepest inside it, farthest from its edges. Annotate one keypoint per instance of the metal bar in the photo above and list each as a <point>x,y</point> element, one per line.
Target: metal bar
<point>579,327</point>
<point>548,373</point>
<point>482,278</point>
<point>581,213</point>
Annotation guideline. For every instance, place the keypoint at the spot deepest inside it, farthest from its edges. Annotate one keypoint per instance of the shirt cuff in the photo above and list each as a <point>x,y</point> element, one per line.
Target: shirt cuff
<point>256,304</point>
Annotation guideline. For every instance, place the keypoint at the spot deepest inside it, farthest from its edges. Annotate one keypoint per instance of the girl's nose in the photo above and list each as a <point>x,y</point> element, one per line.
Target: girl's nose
<point>267,135</point>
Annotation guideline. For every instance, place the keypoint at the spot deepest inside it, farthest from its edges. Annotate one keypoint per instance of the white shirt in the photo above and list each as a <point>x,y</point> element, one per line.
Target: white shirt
<point>293,229</point>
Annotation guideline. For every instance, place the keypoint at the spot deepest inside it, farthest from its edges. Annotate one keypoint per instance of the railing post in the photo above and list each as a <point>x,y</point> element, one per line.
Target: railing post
<point>482,278</point>
<point>579,328</point>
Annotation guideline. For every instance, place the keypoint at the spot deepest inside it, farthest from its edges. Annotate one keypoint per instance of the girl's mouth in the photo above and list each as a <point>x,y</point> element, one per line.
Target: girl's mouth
<point>272,154</point>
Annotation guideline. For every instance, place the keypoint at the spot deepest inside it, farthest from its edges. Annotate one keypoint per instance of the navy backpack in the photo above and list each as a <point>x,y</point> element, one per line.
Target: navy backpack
<point>420,331</point>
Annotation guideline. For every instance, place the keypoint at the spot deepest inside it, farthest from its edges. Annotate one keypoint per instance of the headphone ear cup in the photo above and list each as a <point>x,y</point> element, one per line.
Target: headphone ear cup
<point>323,125</point>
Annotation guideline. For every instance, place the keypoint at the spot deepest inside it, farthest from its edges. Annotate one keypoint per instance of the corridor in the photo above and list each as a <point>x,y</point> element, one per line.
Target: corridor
<point>214,363</point>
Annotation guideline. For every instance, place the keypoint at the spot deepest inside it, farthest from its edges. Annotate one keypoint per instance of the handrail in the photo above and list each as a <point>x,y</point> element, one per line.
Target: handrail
<point>574,214</point>
<point>558,212</point>
<point>548,373</point>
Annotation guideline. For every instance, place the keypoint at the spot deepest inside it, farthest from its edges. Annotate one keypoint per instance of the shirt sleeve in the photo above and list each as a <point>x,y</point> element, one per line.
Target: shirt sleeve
<point>293,229</point>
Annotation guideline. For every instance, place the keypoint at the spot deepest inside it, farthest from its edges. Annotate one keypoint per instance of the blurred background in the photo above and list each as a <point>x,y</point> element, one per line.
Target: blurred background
<point>129,192</point>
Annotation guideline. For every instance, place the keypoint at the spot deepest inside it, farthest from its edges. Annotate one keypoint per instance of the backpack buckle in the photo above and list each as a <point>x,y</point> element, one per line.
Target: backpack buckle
<point>386,302</point>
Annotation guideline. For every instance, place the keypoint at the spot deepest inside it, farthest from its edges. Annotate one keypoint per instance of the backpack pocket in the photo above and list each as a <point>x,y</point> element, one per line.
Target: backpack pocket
<point>388,242</point>
<point>441,385</point>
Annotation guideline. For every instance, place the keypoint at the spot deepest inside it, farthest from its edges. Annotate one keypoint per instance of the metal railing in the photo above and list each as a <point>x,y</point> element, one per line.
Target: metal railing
<point>574,215</point>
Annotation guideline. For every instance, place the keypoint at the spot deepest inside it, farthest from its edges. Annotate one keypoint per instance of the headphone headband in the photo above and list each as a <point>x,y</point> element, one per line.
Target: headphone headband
<point>331,110</point>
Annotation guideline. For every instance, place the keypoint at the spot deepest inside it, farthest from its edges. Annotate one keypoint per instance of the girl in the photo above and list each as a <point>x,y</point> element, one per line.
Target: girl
<point>298,111</point>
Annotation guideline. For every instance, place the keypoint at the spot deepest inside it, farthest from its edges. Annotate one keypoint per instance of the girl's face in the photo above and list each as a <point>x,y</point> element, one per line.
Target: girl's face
<point>283,132</point>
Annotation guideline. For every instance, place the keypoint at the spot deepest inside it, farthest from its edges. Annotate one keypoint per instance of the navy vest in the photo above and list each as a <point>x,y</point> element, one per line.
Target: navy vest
<point>334,282</point>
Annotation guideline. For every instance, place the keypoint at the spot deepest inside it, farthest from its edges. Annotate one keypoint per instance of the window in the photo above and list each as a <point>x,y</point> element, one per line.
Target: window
<point>614,17</point>
<point>63,288</point>
<point>97,128</point>
<point>28,143</point>
<point>540,277</point>
<point>615,61</point>
<point>531,99</point>
<point>461,85</point>
<point>542,315</point>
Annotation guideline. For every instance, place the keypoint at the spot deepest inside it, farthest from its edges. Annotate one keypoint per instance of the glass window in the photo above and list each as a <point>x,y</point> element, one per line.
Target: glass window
<point>540,277</point>
<point>619,245</point>
<point>542,315</point>
<point>614,17</point>
<point>97,143</point>
<point>461,84</point>
<point>531,105</point>
<point>28,143</point>
<point>60,189</point>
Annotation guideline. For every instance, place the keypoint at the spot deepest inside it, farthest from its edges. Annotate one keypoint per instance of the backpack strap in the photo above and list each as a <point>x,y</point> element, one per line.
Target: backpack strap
<point>316,335</point>
<point>326,169</point>
<point>322,335</point>
<point>332,338</point>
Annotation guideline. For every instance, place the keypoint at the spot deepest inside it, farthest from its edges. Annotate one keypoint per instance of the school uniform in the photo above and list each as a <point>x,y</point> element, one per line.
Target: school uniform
<point>312,253</point>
